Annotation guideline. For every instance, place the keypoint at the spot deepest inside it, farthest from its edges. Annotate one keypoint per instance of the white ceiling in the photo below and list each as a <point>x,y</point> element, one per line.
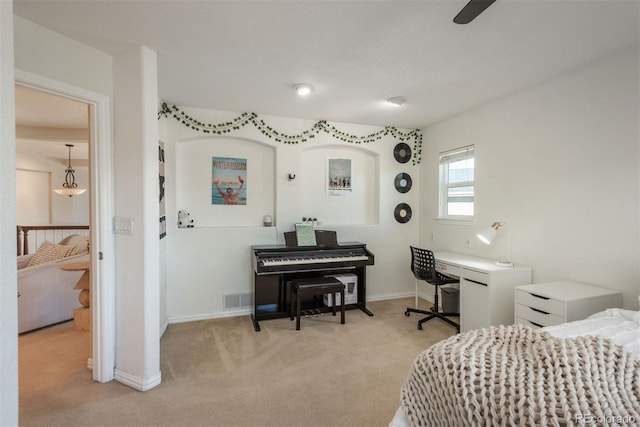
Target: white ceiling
<point>244,56</point>
<point>46,123</point>
<point>39,108</point>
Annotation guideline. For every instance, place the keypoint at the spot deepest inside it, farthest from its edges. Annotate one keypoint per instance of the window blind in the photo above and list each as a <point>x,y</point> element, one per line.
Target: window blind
<point>457,154</point>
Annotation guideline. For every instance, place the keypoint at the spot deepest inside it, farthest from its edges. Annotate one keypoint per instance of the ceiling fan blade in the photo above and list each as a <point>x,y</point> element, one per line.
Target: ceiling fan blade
<point>471,10</point>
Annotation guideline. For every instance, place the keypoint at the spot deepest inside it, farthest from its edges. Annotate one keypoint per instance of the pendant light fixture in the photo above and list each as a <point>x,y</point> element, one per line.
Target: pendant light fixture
<point>69,186</point>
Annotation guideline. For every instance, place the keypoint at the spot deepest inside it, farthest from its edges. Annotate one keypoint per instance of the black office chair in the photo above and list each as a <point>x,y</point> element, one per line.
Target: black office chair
<point>423,266</point>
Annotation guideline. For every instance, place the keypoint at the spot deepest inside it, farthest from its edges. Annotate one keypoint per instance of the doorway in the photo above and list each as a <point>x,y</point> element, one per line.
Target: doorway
<point>100,215</point>
<point>47,126</point>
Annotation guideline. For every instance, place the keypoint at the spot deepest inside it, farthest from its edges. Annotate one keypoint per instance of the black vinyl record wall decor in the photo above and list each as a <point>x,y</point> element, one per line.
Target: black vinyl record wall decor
<point>403,182</point>
<point>402,152</point>
<point>402,213</point>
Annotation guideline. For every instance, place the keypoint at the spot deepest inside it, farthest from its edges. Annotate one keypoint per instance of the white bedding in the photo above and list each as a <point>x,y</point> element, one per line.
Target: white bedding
<point>620,326</point>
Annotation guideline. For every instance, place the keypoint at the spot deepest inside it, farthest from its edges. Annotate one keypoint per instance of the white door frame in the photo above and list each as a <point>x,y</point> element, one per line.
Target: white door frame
<point>101,214</point>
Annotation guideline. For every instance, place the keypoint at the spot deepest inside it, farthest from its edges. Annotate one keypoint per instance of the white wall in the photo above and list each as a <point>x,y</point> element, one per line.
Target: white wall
<point>558,162</point>
<point>163,317</point>
<point>64,210</point>
<point>45,52</point>
<point>213,259</point>
<point>194,180</point>
<point>136,202</point>
<point>8,274</point>
<point>361,206</point>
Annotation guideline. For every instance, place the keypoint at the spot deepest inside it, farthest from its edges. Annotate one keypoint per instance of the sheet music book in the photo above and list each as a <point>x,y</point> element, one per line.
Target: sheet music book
<point>306,235</point>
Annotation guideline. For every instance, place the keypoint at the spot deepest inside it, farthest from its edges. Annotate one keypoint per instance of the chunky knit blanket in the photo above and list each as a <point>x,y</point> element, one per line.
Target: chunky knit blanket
<point>515,376</point>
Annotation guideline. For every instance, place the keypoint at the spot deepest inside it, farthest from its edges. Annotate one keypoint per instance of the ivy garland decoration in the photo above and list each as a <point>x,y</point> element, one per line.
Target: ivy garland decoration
<point>320,126</point>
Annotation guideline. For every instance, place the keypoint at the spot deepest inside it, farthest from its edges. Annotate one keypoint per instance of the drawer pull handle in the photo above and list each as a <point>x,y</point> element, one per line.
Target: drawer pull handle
<point>538,310</point>
<point>475,281</point>
<point>539,296</point>
<point>535,324</point>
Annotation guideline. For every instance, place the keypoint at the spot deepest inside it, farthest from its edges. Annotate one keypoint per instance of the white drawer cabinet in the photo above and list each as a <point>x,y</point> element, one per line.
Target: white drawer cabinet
<point>553,303</point>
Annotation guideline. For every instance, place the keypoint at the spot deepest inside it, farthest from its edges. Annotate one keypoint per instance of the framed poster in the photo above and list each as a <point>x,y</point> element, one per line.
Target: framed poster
<point>163,216</point>
<point>339,178</point>
<point>228,182</point>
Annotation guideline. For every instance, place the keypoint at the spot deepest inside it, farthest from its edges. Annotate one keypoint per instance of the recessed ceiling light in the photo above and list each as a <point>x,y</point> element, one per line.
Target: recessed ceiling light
<point>396,100</point>
<point>303,88</point>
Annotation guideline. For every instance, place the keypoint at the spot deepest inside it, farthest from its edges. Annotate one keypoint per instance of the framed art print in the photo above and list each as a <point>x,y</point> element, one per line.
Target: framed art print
<point>339,178</point>
<point>228,182</point>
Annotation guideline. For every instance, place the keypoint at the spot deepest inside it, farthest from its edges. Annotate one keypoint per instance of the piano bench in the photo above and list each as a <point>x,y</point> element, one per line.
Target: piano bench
<point>315,286</point>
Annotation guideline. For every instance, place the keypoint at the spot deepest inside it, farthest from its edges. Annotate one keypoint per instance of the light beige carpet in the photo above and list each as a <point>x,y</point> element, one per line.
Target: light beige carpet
<point>223,373</point>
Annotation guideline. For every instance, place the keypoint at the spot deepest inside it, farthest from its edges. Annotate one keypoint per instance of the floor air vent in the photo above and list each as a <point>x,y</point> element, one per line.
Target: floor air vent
<point>237,300</point>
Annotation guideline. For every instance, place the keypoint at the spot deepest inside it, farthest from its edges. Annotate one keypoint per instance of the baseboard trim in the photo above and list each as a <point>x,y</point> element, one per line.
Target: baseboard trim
<point>402,295</point>
<point>391,296</point>
<point>163,328</point>
<point>135,382</point>
<point>248,311</point>
<point>209,316</point>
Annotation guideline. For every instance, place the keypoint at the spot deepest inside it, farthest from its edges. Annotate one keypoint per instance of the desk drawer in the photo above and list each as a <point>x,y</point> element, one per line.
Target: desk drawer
<point>476,276</point>
<point>547,305</point>
<point>448,269</point>
<point>538,317</point>
<point>522,321</point>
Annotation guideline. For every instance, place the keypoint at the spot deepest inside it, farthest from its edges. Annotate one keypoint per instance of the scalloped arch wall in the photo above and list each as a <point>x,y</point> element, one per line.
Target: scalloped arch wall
<point>194,180</point>
<point>362,207</point>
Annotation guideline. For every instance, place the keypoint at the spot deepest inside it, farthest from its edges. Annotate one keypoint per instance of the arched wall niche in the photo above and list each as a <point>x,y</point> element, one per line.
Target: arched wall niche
<point>359,207</point>
<point>194,180</point>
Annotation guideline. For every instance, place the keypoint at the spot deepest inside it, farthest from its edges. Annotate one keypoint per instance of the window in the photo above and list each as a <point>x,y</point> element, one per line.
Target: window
<point>457,189</point>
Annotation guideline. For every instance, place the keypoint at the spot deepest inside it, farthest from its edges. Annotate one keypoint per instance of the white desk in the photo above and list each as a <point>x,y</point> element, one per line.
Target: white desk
<point>486,289</point>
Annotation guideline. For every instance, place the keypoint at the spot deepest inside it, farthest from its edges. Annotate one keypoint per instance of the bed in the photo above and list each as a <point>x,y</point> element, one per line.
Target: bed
<point>585,372</point>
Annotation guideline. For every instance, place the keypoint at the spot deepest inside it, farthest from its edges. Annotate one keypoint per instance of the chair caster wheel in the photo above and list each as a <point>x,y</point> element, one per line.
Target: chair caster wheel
<point>406,313</point>
<point>419,327</point>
